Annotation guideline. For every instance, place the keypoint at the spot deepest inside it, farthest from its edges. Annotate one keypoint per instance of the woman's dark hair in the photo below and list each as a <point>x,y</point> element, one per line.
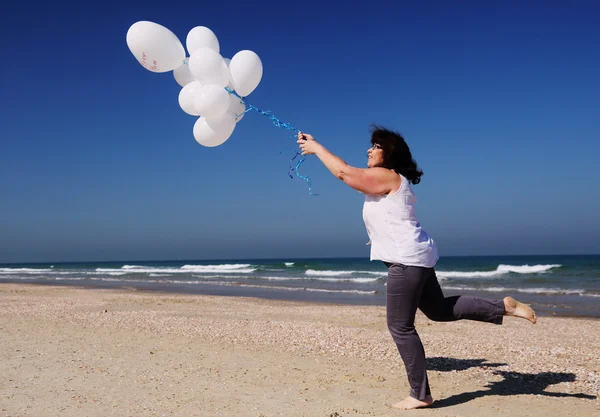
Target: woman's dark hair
<point>396,154</point>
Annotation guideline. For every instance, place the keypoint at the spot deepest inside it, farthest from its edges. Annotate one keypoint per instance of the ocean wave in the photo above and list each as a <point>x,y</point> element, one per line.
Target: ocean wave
<point>289,264</point>
<point>30,271</point>
<point>209,270</point>
<point>315,278</point>
<point>357,280</point>
<point>526,269</point>
<point>554,291</point>
<point>24,270</point>
<point>142,281</point>
<point>223,267</point>
<point>208,280</point>
<point>69,278</point>
<point>238,284</point>
<point>294,278</point>
<point>342,273</point>
<point>500,270</point>
<point>467,274</point>
<point>186,269</point>
<point>342,291</point>
<point>29,278</point>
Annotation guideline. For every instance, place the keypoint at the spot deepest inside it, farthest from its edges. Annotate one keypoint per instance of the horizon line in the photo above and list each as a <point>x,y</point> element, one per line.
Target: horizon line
<point>289,259</point>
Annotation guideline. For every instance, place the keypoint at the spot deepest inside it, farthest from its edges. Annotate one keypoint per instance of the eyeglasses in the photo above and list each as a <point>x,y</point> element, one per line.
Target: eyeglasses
<point>376,146</point>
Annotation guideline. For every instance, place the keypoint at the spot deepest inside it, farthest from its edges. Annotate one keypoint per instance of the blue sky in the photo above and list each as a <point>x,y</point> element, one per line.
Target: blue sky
<point>499,102</point>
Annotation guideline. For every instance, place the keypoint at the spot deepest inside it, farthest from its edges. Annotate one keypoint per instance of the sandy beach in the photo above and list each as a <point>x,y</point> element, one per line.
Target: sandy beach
<point>68,351</point>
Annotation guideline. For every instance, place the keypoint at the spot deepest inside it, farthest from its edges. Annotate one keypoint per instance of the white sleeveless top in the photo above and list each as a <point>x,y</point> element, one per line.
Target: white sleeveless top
<point>396,234</point>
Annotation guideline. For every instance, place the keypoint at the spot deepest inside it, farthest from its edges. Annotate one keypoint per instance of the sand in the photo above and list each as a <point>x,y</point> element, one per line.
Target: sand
<point>68,351</point>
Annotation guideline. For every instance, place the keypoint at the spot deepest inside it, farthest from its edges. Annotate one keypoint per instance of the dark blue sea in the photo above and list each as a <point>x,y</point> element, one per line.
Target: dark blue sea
<point>553,285</point>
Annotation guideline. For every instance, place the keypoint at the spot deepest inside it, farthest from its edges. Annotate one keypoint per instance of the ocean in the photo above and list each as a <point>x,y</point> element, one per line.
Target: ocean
<point>553,285</point>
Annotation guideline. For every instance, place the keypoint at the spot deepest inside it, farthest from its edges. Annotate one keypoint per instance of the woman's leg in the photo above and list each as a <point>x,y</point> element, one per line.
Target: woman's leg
<point>439,308</point>
<point>462,307</point>
<point>404,288</point>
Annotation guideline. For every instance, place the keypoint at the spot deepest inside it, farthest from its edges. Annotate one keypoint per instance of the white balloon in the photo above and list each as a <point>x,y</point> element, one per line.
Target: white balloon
<point>228,75</point>
<point>224,125</point>
<point>182,75</point>
<point>246,72</point>
<point>214,131</point>
<point>155,46</point>
<point>211,101</point>
<point>236,107</point>
<point>187,97</point>
<point>203,134</point>
<point>230,83</point>
<point>208,67</point>
<point>201,37</point>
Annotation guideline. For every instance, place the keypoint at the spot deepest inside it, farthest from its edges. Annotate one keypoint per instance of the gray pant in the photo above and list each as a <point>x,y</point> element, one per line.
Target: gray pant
<point>412,287</point>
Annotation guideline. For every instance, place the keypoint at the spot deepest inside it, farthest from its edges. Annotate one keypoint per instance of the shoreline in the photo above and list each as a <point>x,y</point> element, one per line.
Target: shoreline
<point>542,306</point>
<point>73,351</point>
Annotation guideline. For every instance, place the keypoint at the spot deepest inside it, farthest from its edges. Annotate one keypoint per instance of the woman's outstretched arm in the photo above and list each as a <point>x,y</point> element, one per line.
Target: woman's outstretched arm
<point>375,181</point>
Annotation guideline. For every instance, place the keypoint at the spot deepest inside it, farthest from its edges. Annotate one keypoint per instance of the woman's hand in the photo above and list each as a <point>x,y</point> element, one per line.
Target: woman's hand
<point>308,144</point>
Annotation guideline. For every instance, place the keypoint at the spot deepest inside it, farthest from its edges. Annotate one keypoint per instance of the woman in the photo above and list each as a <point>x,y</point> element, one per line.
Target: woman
<point>410,254</point>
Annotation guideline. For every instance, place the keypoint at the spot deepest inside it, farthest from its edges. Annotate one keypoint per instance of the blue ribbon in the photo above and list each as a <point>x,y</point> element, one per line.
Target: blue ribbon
<point>283,125</point>
<point>277,123</point>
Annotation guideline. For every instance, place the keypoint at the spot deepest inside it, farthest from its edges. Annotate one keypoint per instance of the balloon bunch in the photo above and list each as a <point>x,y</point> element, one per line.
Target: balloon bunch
<point>212,86</point>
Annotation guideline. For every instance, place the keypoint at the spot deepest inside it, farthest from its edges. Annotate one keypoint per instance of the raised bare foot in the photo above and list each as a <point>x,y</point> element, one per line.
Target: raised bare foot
<point>410,403</point>
<point>515,308</point>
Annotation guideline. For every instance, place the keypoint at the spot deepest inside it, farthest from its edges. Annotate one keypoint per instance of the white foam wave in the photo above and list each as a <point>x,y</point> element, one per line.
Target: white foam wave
<point>238,284</point>
<point>16,277</point>
<point>293,278</point>
<point>38,272</point>
<point>69,279</point>
<point>218,270</point>
<point>357,280</point>
<point>296,278</point>
<point>24,270</point>
<point>526,269</point>
<point>579,291</point>
<point>223,267</point>
<point>500,270</point>
<point>342,291</point>
<point>277,278</point>
<point>289,264</point>
<point>186,269</point>
<point>467,274</point>
<point>341,273</point>
<point>121,280</point>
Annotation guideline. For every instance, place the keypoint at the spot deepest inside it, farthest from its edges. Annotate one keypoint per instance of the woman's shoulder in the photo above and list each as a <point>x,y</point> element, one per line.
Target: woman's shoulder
<point>398,182</point>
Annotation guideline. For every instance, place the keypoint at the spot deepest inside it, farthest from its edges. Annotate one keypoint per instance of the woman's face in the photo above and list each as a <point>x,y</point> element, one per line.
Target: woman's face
<point>375,154</point>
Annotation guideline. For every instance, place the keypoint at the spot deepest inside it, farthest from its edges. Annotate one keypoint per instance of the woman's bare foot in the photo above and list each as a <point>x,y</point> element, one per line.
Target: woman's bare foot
<point>514,308</point>
<point>410,403</point>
